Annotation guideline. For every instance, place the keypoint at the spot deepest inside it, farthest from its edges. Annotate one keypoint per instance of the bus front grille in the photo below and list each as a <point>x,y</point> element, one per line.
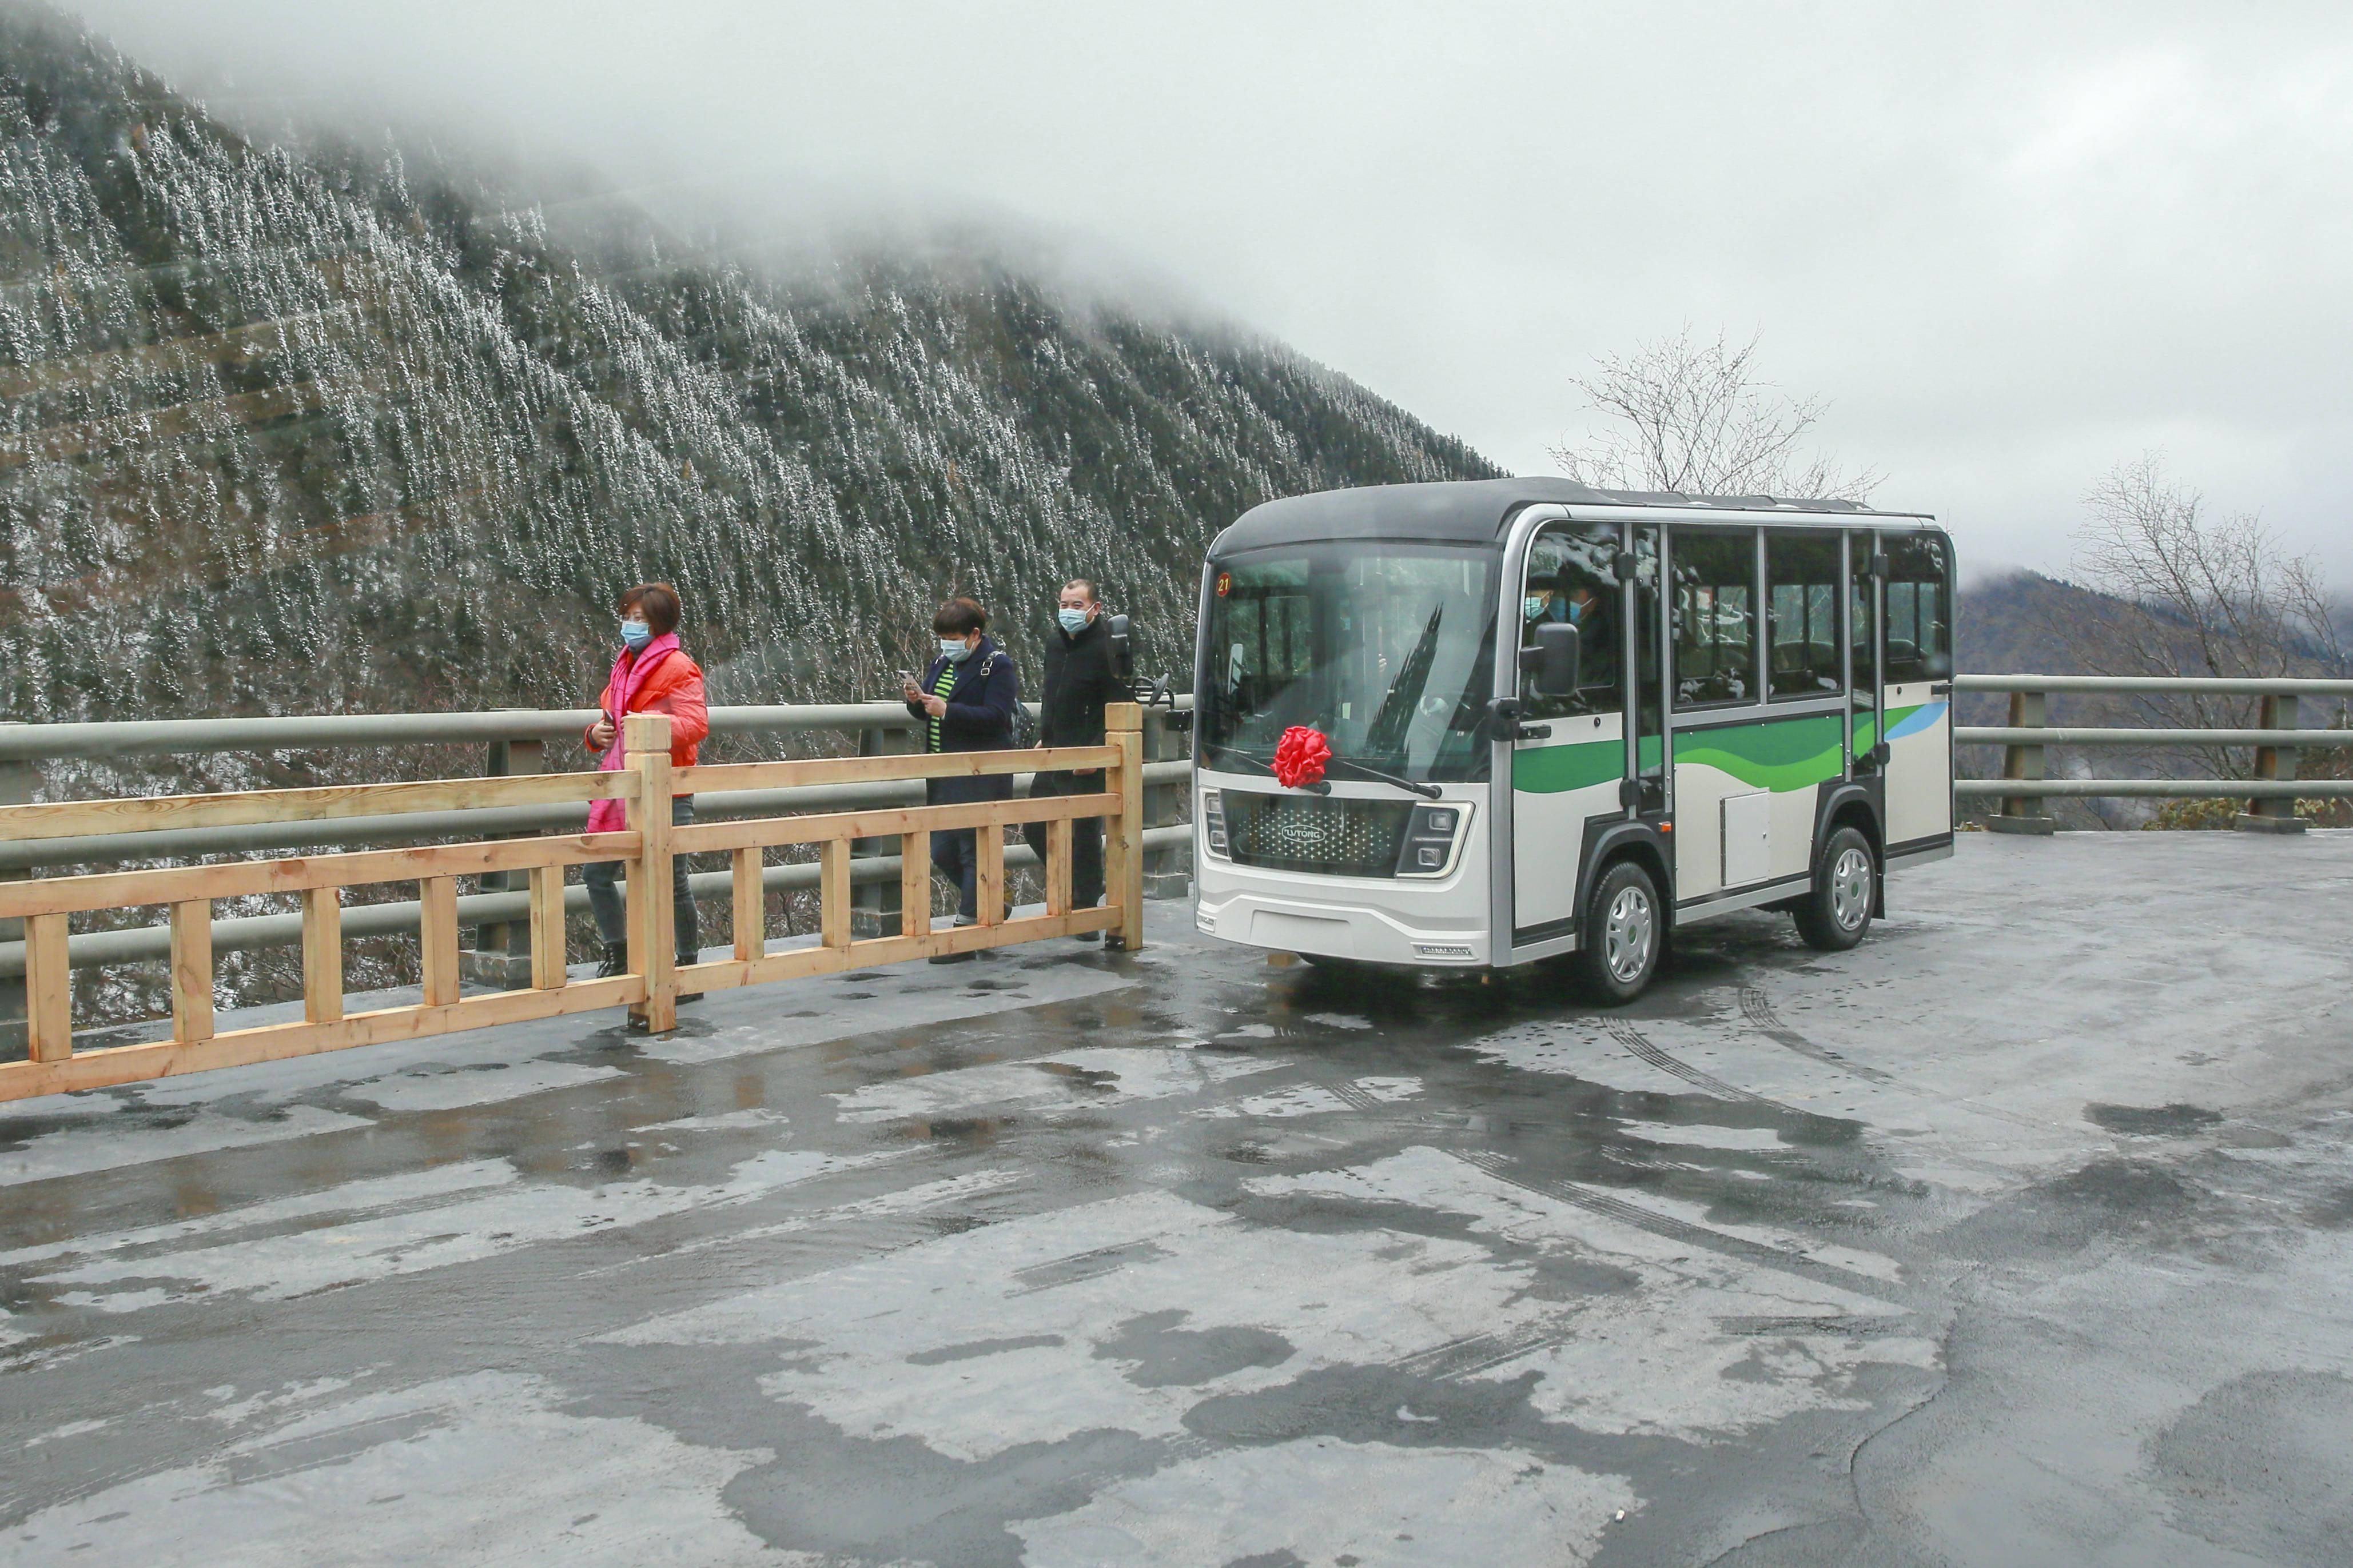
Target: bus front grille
<point>1316,833</point>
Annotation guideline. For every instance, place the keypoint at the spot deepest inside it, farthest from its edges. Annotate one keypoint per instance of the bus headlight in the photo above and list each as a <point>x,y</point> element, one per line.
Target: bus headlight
<point>1213,822</point>
<point>1429,836</point>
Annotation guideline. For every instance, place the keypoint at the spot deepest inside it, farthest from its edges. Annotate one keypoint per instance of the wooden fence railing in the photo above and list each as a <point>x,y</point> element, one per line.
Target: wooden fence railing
<point>646,787</point>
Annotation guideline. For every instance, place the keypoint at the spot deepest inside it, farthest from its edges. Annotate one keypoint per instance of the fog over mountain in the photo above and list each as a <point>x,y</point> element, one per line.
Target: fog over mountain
<point>348,428</point>
<point>2012,243</point>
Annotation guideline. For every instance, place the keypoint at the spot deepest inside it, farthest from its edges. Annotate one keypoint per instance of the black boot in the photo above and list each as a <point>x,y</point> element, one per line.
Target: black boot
<point>616,961</point>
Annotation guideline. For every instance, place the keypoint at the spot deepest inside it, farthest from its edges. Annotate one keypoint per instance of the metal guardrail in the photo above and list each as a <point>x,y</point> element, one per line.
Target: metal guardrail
<point>330,731</point>
<point>2182,686</point>
<point>2270,794</point>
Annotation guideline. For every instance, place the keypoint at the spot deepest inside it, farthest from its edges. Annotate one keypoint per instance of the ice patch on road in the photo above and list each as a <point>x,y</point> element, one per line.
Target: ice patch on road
<point>754,1020</point>
<point>1062,1290</point>
<point>478,1469</point>
<point>438,1087</point>
<point>725,1121</point>
<point>107,1144</point>
<point>1580,1050</point>
<point>1706,1137</point>
<point>410,1240</point>
<point>1083,1078</point>
<point>1314,1100</point>
<point>1321,1501</point>
<point>1678,1353</point>
<point>411,1189</point>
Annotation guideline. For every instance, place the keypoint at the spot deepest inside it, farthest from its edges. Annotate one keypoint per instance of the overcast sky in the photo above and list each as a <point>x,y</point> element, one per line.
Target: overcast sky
<point>2011,246</point>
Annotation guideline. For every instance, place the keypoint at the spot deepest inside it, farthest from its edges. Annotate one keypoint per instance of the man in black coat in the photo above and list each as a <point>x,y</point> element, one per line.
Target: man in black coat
<point>965,701</point>
<point>1078,680</point>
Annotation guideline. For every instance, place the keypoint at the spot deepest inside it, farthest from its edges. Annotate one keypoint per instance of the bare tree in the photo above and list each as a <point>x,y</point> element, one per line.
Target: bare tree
<point>2189,594</point>
<point>1694,417</point>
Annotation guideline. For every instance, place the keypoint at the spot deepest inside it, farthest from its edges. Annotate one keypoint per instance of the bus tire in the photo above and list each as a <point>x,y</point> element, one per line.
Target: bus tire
<point>1836,913</point>
<point>1625,931</point>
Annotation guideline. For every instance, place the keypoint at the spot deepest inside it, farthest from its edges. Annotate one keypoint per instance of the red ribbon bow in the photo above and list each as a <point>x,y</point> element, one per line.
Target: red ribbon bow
<point>1300,756</point>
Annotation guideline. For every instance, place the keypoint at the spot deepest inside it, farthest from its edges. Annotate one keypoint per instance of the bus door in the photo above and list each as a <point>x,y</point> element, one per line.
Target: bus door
<point>1863,651</point>
<point>1917,671</point>
<point>1568,763</point>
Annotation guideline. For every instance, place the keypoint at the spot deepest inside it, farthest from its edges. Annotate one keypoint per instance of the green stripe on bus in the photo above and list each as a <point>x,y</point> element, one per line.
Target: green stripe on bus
<point>1552,770</point>
<point>1775,754</point>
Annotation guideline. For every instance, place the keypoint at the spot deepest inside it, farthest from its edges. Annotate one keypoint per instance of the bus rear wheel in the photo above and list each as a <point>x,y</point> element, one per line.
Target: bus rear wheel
<point>1834,915</point>
<point>1624,930</point>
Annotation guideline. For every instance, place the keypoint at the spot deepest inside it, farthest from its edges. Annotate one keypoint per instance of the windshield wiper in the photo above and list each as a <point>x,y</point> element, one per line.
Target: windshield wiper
<point>1266,768</point>
<point>1427,790</point>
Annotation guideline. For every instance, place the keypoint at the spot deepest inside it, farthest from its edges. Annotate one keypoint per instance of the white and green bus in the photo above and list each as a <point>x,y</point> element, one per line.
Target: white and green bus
<point>1564,721</point>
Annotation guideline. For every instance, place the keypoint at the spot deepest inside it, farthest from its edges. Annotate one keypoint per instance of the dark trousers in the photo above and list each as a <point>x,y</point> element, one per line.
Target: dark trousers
<point>605,903</point>
<point>955,855</point>
<point>1086,836</point>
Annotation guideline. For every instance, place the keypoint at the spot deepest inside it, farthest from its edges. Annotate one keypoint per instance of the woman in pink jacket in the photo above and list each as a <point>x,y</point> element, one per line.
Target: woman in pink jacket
<point>652,675</point>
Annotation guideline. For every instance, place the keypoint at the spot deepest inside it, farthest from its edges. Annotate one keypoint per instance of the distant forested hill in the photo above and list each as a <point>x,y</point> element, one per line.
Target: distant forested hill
<point>287,432</point>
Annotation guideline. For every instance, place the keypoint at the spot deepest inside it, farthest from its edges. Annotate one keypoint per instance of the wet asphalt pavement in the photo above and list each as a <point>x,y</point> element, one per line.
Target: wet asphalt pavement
<point>2022,1235</point>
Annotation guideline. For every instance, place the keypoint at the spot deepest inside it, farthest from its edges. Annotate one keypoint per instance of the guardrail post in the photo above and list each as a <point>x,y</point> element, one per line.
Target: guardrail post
<point>2021,812</point>
<point>874,906</point>
<point>16,784</point>
<point>501,956</point>
<point>1167,873</point>
<point>653,922</point>
<point>1123,846</point>
<point>2274,813</point>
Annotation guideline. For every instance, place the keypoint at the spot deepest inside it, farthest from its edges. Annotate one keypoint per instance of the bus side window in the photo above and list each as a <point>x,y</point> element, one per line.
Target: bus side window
<point>1801,582</point>
<point>1919,608</point>
<point>1715,615</point>
<point>1571,577</point>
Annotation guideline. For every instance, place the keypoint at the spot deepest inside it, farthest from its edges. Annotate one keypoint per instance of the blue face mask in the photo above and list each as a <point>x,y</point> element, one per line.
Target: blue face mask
<point>636,634</point>
<point>953,651</point>
<point>1576,612</point>
<point>1532,606</point>
<point>1073,621</point>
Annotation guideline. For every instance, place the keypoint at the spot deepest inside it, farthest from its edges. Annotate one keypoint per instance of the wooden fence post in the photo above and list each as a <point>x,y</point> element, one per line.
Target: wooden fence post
<point>48,990</point>
<point>322,955</point>
<point>1124,848</point>
<point>548,970</point>
<point>191,971</point>
<point>915,884</point>
<point>2274,813</point>
<point>437,938</point>
<point>653,929</point>
<point>750,895</point>
<point>833,894</point>
<point>1059,835</point>
<point>2022,812</point>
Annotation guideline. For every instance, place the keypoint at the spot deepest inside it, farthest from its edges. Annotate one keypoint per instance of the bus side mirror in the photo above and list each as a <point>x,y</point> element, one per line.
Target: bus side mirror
<point>1123,657</point>
<point>1557,659</point>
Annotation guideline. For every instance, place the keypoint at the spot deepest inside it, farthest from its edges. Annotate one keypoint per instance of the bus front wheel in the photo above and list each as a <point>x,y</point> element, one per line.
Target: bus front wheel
<point>1834,915</point>
<point>1624,929</point>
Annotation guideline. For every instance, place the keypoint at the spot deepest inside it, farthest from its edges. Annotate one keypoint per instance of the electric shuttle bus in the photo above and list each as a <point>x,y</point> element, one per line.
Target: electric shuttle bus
<point>1527,718</point>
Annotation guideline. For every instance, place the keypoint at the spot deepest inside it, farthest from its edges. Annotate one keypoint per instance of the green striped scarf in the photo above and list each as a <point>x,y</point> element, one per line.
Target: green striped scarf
<point>940,689</point>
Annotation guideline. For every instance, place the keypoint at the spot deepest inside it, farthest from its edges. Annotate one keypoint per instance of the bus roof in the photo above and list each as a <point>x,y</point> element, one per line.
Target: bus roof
<point>1476,511</point>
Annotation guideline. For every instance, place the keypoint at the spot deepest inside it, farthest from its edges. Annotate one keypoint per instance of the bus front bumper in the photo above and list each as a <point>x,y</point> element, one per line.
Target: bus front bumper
<point>1332,930</point>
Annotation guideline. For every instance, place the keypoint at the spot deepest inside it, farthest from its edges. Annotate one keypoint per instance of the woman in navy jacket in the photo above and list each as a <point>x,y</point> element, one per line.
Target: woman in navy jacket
<point>966,703</point>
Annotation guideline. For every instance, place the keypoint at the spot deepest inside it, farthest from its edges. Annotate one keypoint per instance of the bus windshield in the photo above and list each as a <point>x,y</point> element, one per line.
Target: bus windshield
<point>1389,649</point>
